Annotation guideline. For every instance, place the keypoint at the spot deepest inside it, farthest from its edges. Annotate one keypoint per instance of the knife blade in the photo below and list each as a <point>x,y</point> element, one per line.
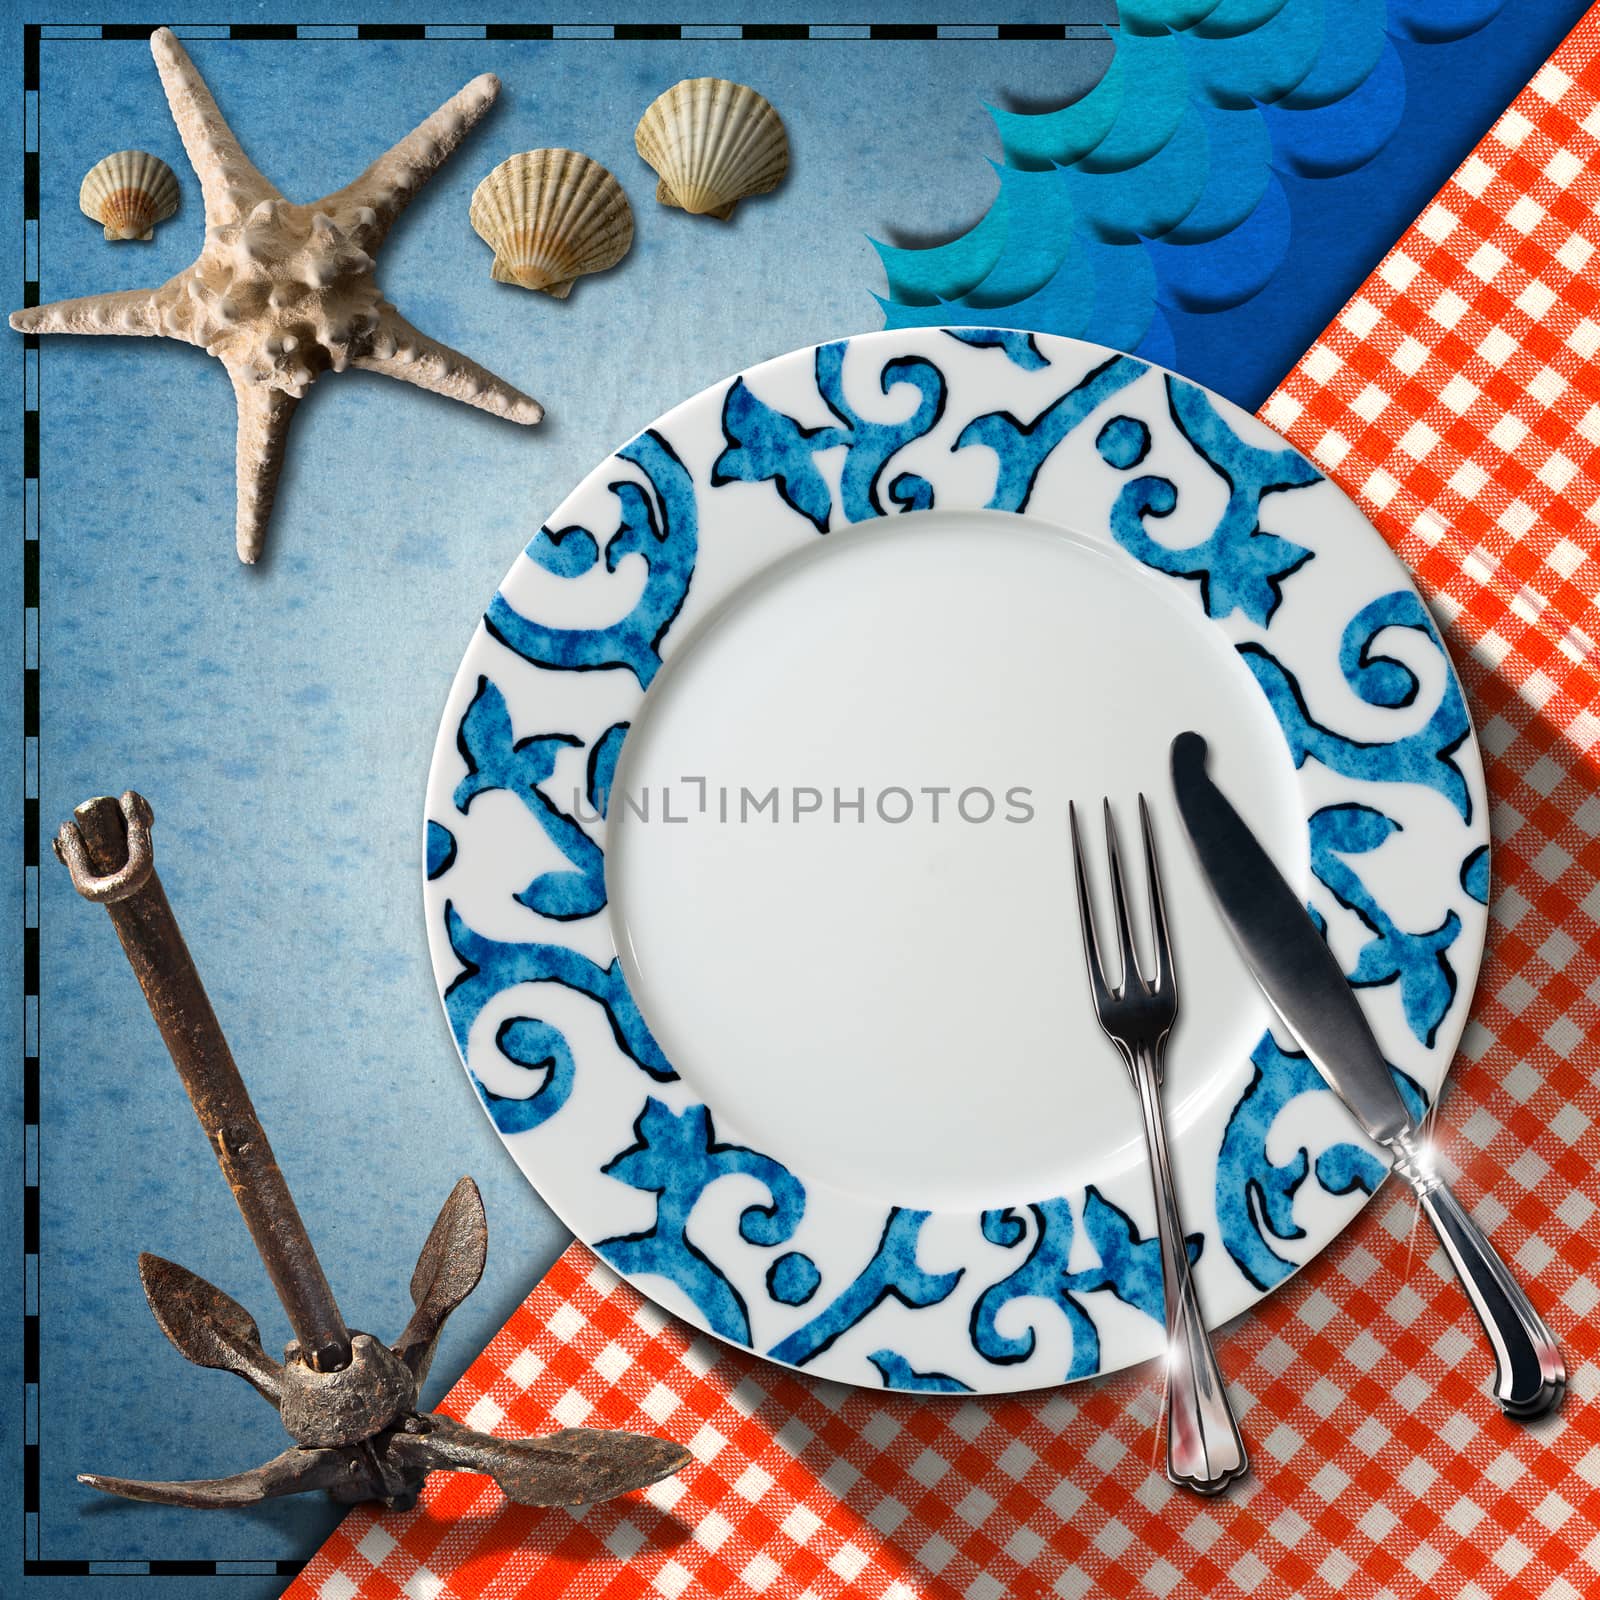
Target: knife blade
<point>1289,958</point>
<point>1283,949</point>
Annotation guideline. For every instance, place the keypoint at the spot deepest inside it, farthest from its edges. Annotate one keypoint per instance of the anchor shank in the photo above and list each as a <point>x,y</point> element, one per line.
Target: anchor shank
<point>166,972</point>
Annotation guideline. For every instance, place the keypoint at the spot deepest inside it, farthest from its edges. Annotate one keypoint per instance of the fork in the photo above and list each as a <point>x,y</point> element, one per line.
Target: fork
<point>1205,1451</point>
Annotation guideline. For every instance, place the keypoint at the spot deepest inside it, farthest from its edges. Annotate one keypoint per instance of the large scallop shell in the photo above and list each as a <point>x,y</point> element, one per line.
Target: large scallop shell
<point>128,193</point>
<point>712,144</point>
<point>550,216</point>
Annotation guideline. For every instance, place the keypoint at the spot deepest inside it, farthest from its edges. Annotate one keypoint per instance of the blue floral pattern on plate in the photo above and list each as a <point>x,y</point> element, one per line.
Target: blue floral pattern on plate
<point>1042,1288</point>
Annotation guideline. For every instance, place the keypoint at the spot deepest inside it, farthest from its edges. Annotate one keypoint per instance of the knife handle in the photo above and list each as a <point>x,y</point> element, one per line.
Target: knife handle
<point>1530,1376</point>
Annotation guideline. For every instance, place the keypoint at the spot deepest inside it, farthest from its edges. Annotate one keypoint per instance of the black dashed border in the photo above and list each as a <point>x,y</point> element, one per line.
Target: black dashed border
<point>33,34</point>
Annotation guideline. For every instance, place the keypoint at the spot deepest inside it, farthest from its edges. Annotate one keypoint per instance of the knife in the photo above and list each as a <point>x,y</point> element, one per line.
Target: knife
<point>1288,957</point>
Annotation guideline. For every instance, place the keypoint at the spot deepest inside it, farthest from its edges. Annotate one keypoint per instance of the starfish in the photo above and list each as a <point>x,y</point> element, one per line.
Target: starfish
<point>280,292</point>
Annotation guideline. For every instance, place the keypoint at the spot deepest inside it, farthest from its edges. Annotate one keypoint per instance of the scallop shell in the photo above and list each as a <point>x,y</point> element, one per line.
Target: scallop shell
<point>128,193</point>
<point>712,144</point>
<point>550,216</point>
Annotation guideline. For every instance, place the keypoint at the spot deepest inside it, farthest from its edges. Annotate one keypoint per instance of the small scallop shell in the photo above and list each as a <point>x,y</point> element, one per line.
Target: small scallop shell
<point>128,193</point>
<point>712,144</point>
<point>550,216</point>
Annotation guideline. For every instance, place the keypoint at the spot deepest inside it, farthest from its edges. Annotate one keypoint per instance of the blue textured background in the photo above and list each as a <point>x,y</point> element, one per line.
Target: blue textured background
<point>280,719</point>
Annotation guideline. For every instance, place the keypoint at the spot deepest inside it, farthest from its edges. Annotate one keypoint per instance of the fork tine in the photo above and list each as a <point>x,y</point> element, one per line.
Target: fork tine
<point>1131,975</point>
<point>1165,979</point>
<point>1091,939</point>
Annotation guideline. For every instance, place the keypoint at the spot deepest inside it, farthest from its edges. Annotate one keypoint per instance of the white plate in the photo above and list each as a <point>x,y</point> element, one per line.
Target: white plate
<point>780,1002</point>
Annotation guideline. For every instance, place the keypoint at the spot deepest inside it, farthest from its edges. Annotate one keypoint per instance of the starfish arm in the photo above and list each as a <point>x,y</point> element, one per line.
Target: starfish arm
<point>134,311</point>
<point>417,359</point>
<point>388,186</point>
<point>264,416</point>
<point>228,179</point>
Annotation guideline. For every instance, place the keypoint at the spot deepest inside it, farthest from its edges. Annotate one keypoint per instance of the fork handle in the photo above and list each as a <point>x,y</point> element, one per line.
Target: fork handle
<point>1530,1376</point>
<point>1205,1451</point>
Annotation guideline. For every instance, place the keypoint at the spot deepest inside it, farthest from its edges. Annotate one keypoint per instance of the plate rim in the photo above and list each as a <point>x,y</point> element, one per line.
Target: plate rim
<point>1467,954</point>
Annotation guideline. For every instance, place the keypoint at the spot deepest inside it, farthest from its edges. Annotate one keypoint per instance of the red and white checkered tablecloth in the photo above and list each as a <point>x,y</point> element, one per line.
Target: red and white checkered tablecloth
<point>1457,397</point>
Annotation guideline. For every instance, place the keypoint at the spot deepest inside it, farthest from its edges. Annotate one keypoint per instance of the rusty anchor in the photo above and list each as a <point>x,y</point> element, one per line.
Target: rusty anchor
<point>348,1400</point>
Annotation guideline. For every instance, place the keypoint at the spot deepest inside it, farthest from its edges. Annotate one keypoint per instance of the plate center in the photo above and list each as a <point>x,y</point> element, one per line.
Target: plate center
<point>839,868</point>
